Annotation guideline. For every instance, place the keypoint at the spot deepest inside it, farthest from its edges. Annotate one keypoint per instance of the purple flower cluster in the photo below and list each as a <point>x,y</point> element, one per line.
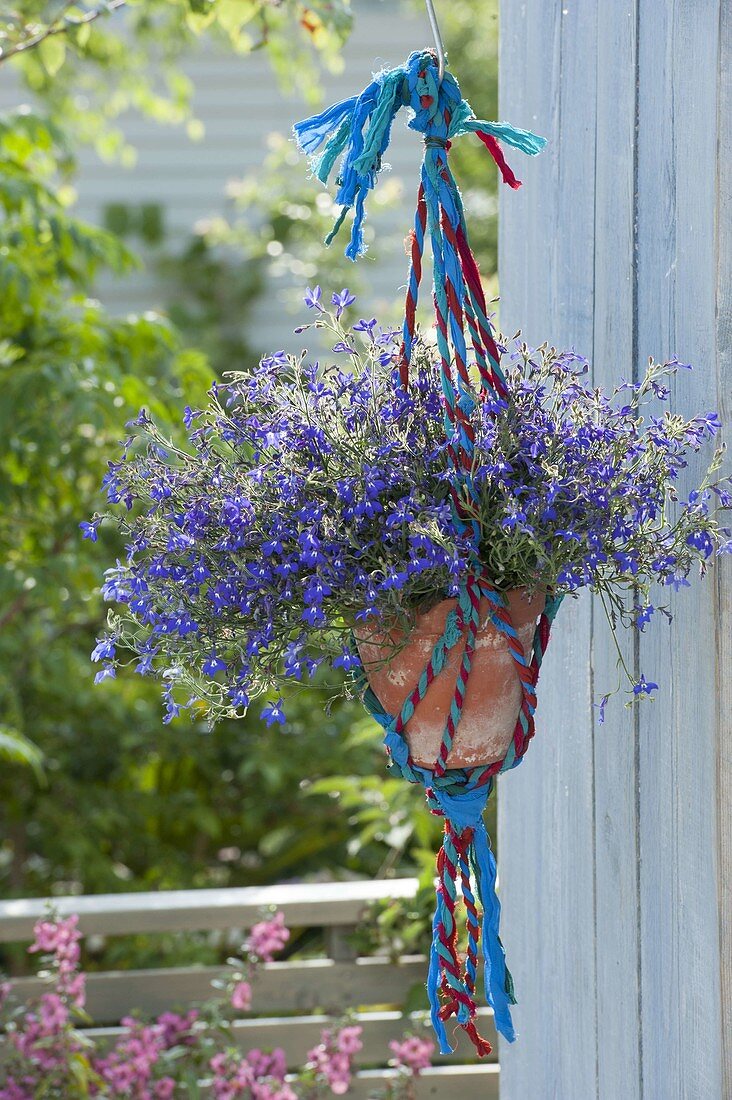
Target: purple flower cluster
<point>573,486</point>
<point>312,496</point>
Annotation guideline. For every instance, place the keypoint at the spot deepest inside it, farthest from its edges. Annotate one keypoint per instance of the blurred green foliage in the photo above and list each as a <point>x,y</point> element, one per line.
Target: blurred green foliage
<point>276,220</point>
<point>95,793</point>
<point>271,236</point>
<point>93,60</point>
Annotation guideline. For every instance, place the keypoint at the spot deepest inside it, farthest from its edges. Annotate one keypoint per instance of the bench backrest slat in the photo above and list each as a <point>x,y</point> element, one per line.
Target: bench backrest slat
<point>303,986</point>
<point>303,904</point>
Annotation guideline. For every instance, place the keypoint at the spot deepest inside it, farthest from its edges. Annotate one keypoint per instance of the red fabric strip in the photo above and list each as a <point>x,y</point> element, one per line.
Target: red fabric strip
<point>497,153</point>
<point>472,278</point>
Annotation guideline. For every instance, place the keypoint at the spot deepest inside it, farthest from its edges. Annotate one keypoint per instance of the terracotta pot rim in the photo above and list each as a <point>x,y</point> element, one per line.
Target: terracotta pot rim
<point>363,631</point>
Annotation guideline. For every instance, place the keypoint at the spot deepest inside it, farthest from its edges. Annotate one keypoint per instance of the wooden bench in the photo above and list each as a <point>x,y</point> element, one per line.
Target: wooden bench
<point>298,997</point>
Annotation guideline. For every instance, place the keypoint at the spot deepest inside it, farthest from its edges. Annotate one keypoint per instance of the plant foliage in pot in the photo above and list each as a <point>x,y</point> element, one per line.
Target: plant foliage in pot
<point>405,506</point>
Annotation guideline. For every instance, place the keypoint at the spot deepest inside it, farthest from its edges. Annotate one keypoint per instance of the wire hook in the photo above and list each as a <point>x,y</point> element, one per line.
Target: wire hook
<point>432,16</point>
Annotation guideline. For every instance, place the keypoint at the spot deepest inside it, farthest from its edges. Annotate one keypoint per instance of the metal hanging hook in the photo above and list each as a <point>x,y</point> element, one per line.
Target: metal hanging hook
<point>432,16</point>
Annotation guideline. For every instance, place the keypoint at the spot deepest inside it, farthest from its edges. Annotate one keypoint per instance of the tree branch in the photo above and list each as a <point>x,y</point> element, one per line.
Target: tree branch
<point>62,24</point>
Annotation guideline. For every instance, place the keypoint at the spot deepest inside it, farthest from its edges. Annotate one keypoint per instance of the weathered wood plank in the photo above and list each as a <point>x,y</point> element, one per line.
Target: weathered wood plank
<point>660,242</point>
<point>303,904</point>
<point>724,575</point>
<point>306,986</point>
<point>615,742</point>
<point>676,201</point>
<point>441,1082</point>
<point>546,826</point>
<point>338,943</point>
<point>296,1035</point>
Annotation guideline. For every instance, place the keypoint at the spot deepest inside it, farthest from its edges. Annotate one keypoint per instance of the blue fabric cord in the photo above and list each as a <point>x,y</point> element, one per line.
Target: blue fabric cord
<point>356,133</point>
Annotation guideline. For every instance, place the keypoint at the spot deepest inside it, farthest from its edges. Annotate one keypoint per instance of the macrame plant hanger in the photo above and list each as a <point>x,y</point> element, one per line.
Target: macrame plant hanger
<point>358,131</point>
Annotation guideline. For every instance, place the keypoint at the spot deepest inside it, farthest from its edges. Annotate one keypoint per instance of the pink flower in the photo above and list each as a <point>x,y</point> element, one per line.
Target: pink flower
<point>53,1013</point>
<point>412,1052</point>
<point>164,1088</point>
<point>264,1090</point>
<point>13,1090</point>
<point>73,986</point>
<point>348,1039</point>
<point>232,1076</point>
<point>219,1063</point>
<point>241,997</point>
<point>268,1065</point>
<point>130,1064</point>
<point>267,938</point>
<point>332,1064</point>
<point>60,938</point>
<point>175,1030</point>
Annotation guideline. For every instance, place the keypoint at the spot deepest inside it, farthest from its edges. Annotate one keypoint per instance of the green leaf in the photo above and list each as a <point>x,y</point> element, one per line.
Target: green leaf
<point>19,749</point>
<point>52,52</point>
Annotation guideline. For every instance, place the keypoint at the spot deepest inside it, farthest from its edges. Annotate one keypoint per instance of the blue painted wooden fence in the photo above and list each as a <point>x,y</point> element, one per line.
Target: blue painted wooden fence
<point>616,840</point>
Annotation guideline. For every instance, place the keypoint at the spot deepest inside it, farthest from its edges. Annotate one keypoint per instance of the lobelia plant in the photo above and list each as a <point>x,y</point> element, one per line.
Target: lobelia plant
<point>177,1054</point>
<point>439,499</point>
<point>313,497</point>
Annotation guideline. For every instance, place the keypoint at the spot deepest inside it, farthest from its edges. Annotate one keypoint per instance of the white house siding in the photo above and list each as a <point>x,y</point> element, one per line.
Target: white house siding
<point>239,103</point>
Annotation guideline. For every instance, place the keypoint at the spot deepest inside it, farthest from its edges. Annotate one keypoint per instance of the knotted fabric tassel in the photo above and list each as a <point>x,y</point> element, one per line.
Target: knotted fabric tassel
<point>359,129</point>
<point>465,858</point>
<point>451,989</point>
<point>313,131</point>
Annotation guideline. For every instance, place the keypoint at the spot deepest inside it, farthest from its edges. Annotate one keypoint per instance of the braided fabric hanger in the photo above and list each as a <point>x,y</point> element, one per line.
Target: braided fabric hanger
<point>358,131</point>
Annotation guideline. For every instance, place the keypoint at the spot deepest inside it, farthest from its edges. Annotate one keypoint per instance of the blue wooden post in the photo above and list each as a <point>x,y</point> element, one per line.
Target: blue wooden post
<point>616,840</point>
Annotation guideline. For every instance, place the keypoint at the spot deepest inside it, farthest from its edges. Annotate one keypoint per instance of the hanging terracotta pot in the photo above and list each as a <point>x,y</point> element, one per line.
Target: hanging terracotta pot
<point>493,695</point>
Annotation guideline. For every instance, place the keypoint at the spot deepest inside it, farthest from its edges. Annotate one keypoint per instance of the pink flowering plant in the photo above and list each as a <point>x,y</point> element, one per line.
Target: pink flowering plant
<point>413,1053</point>
<point>311,495</point>
<point>174,1055</point>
